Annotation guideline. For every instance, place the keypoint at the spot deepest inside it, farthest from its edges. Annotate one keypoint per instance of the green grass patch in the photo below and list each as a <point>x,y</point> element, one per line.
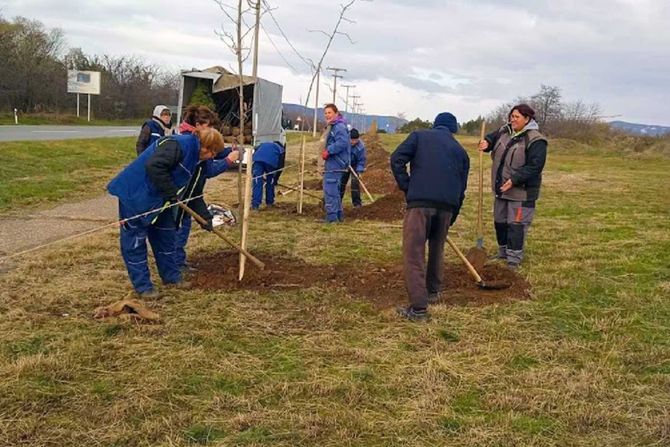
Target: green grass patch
<point>583,362</point>
<point>35,172</point>
<point>202,435</point>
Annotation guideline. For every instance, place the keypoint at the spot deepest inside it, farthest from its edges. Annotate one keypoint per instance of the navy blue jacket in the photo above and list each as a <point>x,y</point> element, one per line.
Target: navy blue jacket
<point>439,169</point>
<point>358,156</point>
<point>270,153</point>
<point>154,178</point>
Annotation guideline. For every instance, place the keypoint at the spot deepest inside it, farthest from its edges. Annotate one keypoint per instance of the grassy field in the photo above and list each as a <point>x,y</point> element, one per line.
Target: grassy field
<point>37,172</point>
<point>585,362</point>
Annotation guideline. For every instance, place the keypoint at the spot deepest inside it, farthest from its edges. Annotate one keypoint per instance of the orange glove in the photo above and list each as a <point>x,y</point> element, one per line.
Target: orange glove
<point>325,154</point>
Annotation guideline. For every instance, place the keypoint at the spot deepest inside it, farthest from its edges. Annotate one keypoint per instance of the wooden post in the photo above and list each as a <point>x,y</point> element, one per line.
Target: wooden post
<point>480,202</point>
<point>222,235</point>
<point>245,216</point>
<point>316,100</point>
<point>301,175</point>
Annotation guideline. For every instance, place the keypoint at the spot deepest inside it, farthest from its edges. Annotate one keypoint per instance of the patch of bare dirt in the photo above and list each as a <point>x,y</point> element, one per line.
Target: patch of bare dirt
<point>386,209</point>
<point>382,285</point>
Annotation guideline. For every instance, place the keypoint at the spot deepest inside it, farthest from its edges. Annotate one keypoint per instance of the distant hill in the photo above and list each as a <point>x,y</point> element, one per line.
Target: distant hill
<point>640,129</point>
<point>388,123</point>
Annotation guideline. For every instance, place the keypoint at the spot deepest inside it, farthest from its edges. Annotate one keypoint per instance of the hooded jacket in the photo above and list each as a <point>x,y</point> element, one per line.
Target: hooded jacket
<point>338,146</point>
<point>520,157</point>
<point>157,175</point>
<point>152,130</point>
<point>358,156</point>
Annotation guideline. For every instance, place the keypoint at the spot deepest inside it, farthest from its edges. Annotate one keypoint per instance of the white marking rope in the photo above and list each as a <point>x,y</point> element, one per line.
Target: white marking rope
<point>116,223</point>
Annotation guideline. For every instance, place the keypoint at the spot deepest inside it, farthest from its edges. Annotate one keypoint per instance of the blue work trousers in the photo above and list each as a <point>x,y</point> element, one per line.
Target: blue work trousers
<point>161,234</point>
<point>181,239</point>
<point>261,173</point>
<point>331,196</point>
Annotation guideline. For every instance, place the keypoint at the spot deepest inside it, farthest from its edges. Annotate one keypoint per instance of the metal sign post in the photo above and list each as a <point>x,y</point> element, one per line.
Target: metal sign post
<point>89,107</point>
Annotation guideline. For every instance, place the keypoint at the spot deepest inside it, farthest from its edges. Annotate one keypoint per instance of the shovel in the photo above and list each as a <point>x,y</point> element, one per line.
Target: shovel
<point>222,235</point>
<point>477,255</point>
<point>493,285</point>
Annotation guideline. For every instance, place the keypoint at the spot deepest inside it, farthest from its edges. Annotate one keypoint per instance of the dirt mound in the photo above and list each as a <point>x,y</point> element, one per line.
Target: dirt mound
<point>383,285</point>
<point>308,209</point>
<point>387,209</point>
<point>314,184</point>
<point>379,181</point>
<point>377,157</point>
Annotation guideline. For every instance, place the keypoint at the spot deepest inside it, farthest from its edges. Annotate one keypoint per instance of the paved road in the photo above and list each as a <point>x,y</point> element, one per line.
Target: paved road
<point>31,133</point>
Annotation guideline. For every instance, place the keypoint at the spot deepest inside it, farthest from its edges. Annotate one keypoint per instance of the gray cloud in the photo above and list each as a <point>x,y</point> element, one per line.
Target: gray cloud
<point>469,53</point>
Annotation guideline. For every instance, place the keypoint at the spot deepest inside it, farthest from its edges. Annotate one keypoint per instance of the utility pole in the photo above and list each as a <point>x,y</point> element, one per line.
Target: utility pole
<point>346,97</point>
<point>335,71</point>
<point>316,100</point>
<point>353,109</point>
<point>359,109</point>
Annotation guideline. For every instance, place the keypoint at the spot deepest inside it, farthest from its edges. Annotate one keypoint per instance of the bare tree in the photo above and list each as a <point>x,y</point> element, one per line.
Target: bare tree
<point>241,48</point>
<point>547,105</point>
<point>316,68</point>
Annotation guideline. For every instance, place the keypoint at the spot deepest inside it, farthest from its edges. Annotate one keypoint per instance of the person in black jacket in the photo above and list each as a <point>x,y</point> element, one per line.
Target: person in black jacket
<point>434,189</point>
<point>519,152</point>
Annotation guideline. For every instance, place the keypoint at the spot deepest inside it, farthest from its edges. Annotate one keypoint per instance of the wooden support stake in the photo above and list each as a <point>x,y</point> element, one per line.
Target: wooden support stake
<point>301,187</point>
<point>222,235</point>
<point>480,201</point>
<point>245,217</point>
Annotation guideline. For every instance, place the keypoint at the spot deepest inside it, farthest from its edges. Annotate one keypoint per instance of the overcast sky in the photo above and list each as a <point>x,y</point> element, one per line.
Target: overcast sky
<point>417,57</point>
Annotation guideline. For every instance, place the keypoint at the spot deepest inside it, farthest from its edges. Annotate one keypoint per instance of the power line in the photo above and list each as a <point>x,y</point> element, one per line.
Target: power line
<point>277,49</point>
<point>304,59</point>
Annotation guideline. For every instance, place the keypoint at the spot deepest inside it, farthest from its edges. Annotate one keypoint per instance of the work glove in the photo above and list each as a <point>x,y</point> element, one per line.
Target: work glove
<point>208,226</point>
<point>324,154</point>
<point>233,157</point>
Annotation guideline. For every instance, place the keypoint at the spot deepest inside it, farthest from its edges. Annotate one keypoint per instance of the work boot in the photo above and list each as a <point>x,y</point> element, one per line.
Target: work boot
<point>181,285</point>
<point>513,266</point>
<point>409,313</point>
<point>187,269</point>
<point>150,294</point>
<point>434,298</point>
<point>502,253</point>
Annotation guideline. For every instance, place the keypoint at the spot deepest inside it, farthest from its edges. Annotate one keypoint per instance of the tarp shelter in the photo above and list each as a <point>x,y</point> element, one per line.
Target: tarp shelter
<point>263,100</point>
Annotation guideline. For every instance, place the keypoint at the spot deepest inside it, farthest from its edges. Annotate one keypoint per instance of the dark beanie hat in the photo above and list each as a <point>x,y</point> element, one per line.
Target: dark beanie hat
<point>446,119</point>
<point>353,134</point>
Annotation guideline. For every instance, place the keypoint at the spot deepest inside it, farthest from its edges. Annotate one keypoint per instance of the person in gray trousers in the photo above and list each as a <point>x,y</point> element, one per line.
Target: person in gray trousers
<point>434,190</point>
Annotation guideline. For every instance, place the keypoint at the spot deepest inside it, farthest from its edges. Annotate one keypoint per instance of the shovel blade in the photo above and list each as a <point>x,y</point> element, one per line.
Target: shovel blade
<point>494,285</point>
<point>477,257</point>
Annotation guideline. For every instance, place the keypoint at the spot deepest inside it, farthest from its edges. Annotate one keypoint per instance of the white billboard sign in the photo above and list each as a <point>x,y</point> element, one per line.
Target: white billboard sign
<point>85,82</point>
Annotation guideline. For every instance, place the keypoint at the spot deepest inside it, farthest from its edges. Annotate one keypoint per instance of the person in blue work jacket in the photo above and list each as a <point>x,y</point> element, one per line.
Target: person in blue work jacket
<point>159,125</point>
<point>147,190</point>
<point>337,158</point>
<point>358,162</point>
<point>269,159</point>
<point>197,117</point>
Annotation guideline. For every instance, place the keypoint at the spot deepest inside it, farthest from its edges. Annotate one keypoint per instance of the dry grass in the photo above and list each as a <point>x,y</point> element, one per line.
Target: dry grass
<point>584,363</point>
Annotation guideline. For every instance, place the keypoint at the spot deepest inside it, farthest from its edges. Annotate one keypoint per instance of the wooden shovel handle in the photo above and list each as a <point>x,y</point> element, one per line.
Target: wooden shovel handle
<point>361,183</point>
<point>222,235</point>
<point>480,202</point>
<point>460,254</point>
